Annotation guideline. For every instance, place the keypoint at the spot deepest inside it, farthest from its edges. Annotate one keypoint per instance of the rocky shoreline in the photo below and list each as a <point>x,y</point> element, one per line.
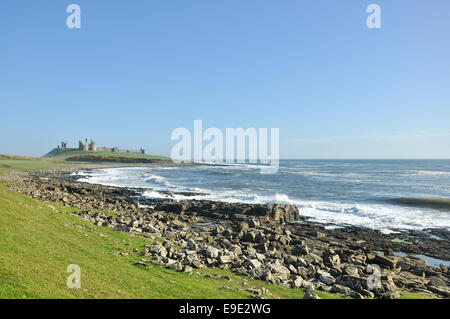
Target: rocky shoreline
<point>267,242</point>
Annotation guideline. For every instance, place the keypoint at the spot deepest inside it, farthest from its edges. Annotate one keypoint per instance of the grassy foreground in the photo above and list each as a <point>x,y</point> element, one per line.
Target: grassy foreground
<point>39,240</point>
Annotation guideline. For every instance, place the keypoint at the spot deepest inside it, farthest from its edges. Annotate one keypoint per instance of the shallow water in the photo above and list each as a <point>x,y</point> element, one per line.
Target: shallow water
<point>431,261</point>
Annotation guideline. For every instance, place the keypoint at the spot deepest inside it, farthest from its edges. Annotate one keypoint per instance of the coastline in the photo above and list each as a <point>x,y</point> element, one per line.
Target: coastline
<point>269,242</point>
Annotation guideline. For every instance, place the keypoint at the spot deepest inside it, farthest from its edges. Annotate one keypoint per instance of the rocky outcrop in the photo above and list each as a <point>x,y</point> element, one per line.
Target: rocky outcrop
<point>272,213</point>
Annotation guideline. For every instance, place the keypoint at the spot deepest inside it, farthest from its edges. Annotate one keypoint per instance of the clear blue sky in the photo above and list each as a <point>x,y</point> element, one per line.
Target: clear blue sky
<point>138,69</point>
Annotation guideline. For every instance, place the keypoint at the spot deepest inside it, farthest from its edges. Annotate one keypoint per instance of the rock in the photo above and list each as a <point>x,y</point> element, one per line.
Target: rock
<point>308,285</point>
<point>212,252</point>
<point>158,249</point>
<point>262,247</point>
<point>304,272</point>
<point>442,291</point>
<point>225,259</point>
<point>436,281</point>
<point>351,271</point>
<point>267,276</point>
<point>367,293</point>
<point>311,295</point>
<point>331,260</point>
<point>391,295</point>
<point>257,290</point>
<point>355,295</point>
<point>188,269</point>
<point>253,263</point>
<point>355,283</point>
<point>249,236</point>
<point>192,244</point>
<point>323,287</point>
<point>260,257</point>
<point>317,234</point>
<point>339,289</point>
<point>197,264</point>
<point>122,229</point>
<point>391,262</point>
<point>253,223</point>
<point>169,262</point>
<point>279,271</point>
<point>327,279</point>
<point>292,269</point>
<point>297,282</point>
<point>300,250</point>
<point>235,249</point>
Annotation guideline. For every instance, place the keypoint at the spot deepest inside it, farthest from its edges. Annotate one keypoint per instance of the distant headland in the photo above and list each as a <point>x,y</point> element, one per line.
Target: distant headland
<point>90,152</point>
<point>92,146</point>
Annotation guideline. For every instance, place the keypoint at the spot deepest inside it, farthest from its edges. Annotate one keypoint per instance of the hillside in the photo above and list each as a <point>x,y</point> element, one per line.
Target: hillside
<point>103,156</point>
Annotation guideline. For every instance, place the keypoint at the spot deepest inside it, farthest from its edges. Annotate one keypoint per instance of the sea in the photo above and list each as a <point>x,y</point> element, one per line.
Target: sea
<point>336,193</point>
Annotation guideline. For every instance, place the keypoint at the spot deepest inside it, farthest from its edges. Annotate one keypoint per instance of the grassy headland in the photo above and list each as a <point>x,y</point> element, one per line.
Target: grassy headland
<point>74,155</point>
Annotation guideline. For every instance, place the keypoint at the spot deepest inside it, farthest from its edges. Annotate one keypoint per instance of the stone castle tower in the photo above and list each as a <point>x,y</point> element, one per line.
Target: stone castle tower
<point>92,146</point>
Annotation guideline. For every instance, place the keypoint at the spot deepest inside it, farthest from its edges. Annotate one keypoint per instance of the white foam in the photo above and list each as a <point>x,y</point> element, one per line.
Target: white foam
<point>384,217</point>
<point>428,173</point>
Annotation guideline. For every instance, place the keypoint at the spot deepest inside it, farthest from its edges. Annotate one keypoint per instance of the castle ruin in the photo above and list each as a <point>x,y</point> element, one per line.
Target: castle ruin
<point>92,146</point>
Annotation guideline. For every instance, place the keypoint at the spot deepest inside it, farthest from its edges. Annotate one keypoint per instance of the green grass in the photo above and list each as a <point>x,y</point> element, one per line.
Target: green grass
<point>8,162</point>
<point>413,295</point>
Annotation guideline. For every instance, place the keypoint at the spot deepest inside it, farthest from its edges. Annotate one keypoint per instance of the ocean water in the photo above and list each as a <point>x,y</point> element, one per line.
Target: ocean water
<point>333,192</point>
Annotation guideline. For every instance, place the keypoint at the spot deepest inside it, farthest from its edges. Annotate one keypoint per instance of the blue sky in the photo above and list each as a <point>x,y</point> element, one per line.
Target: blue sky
<point>138,69</point>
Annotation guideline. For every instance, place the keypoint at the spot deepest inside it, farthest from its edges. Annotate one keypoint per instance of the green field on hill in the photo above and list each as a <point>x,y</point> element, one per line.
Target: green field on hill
<point>75,154</point>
